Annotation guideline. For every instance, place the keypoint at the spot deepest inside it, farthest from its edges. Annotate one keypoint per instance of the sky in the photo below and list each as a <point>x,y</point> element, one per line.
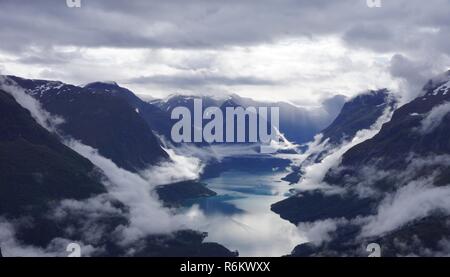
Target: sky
<point>297,50</point>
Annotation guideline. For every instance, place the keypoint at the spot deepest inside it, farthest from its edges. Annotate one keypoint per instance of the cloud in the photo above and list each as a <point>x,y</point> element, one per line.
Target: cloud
<point>144,211</point>
<point>217,152</point>
<point>11,247</point>
<point>333,105</point>
<point>219,23</point>
<point>89,219</point>
<point>320,231</point>
<point>314,173</point>
<point>189,81</point>
<point>417,200</point>
<point>255,234</point>
<point>445,245</point>
<point>434,118</point>
<point>414,73</point>
<point>45,119</point>
<point>179,168</point>
<point>50,56</point>
<point>412,195</point>
<point>299,50</point>
<point>146,214</point>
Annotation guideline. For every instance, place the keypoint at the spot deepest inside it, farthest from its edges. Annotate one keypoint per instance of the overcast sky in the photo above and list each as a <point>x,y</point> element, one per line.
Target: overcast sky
<point>280,49</point>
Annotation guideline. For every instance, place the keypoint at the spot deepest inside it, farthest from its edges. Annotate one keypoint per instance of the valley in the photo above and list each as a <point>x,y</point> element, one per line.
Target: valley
<point>96,164</point>
<point>239,216</point>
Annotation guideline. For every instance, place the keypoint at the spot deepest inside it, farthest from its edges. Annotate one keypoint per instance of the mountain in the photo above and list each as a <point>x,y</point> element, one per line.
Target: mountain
<point>298,124</point>
<point>99,115</point>
<point>404,135</point>
<point>38,171</point>
<point>393,188</point>
<point>35,168</point>
<point>158,120</point>
<point>358,113</point>
<point>175,195</point>
<point>183,244</point>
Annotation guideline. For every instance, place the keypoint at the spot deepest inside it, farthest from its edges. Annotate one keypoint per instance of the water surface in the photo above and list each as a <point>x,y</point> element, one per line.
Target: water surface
<point>239,217</point>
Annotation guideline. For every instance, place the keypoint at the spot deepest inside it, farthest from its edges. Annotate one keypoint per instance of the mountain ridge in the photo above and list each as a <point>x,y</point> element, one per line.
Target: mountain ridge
<point>38,172</point>
<point>358,113</point>
<point>399,161</point>
<point>97,117</point>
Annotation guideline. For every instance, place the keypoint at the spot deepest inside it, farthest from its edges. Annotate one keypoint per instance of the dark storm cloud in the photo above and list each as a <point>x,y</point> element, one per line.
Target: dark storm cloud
<point>415,32</point>
<point>398,25</point>
<point>415,73</point>
<point>48,56</point>
<point>188,81</point>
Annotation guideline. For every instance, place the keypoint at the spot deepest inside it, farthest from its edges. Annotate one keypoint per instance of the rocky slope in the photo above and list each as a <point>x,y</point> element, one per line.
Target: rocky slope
<point>393,188</point>
<point>38,172</point>
<point>98,117</point>
<point>35,168</point>
<point>358,113</point>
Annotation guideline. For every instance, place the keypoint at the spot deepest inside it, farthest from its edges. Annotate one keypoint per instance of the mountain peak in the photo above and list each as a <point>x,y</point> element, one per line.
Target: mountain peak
<point>437,82</point>
<point>379,94</point>
<point>359,113</point>
<point>102,85</point>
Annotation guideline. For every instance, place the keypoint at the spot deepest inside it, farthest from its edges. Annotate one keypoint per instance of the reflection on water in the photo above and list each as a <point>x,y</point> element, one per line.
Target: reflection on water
<point>240,217</point>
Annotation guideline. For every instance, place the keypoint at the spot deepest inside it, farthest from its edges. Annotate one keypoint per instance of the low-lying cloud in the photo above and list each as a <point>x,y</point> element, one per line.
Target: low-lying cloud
<point>315,173</point>
<point>320,231</point>
<point>44,118</point>
<point>415,201</point>
<point>144,211</point>
<point>434,118</point>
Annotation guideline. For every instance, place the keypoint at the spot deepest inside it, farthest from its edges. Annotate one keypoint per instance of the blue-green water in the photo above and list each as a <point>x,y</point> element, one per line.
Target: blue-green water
<point>239,217</point>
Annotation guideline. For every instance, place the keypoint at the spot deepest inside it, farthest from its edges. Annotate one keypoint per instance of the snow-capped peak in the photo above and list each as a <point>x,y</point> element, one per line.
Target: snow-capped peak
<point>442,78</point>
<point>442,90</point>
<point>439,84</point>
<point>101,84</point>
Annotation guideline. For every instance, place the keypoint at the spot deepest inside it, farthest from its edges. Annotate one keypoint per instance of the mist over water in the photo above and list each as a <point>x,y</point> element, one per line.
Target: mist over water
<point>239,217</point>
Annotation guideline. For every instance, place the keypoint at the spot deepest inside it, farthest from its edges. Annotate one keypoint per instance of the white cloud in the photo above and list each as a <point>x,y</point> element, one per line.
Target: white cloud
<point>297,69</point>
<point>412,74</point>
<point>314,173</point>
<point>254,234</point>
<point>417,200</point>
<point>146,213</point>
<point>321,231</point>
<point>45,119</point>
<point>434,118</point>
<point>307,48</point>
<point>178,168</point>
<point>11,247</point>
<point>216,152</point>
